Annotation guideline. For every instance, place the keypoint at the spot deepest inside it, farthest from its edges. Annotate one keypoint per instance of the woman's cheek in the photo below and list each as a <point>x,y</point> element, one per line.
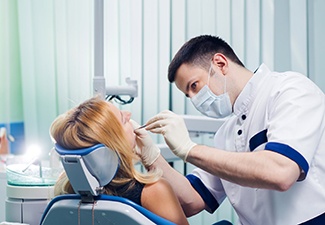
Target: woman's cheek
<point>133,139</point>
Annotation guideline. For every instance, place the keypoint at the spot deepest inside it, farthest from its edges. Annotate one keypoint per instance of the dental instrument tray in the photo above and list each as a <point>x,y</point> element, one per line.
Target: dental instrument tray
<point>33,175</point>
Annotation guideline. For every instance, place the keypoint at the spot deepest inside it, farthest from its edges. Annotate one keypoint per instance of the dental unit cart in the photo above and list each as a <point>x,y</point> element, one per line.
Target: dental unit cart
<point>26,204</point>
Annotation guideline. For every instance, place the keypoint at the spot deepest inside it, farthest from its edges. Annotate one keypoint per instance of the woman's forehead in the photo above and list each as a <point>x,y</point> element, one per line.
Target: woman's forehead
<point>114,109</point>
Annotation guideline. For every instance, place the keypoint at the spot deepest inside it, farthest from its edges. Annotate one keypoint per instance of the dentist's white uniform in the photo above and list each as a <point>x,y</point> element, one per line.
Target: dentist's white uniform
<point>284,113</point>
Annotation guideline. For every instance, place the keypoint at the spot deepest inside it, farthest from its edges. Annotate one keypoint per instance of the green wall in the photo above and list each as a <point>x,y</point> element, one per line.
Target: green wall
<point>11,107</point>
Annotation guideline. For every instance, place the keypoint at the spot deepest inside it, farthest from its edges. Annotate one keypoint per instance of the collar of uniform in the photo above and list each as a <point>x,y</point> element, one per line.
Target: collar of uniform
<point>248,93</point>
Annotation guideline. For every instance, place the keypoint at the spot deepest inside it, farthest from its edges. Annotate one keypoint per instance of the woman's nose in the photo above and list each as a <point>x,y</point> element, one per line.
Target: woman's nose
<point>127,115</point>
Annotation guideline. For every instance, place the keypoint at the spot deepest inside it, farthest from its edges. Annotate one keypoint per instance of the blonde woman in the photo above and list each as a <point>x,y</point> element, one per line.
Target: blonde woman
<point>97,121</point>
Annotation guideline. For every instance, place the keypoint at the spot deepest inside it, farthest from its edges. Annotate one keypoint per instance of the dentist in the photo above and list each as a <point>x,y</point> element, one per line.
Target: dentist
<point>268,158</point>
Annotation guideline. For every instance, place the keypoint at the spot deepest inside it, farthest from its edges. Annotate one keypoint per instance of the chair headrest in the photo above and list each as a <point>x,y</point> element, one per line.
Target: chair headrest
<point>89,169</point>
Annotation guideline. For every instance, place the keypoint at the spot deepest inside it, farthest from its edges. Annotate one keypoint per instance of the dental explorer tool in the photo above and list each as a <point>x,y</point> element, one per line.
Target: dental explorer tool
<point>143,126</point>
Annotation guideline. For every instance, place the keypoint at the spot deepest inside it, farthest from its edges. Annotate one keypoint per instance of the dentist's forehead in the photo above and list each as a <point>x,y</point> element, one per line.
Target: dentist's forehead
<point>186,75</point>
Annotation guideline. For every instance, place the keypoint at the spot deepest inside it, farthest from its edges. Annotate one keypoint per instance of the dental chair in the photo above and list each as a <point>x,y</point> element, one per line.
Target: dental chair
<point>89,170</point>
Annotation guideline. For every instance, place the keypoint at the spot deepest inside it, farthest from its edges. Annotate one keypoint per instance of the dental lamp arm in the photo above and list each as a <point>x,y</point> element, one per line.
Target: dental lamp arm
<point>111,92</point>
<point>131,89</point>
<point>99,85</point>
<point>115,92</point>
<point>99,79</point>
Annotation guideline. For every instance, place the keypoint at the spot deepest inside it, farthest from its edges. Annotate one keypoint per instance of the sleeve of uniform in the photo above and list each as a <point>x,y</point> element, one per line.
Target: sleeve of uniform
<point>209,188</point>
<point>296,117</point>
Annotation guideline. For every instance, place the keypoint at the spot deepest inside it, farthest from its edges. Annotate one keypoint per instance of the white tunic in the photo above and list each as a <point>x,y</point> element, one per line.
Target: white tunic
<point>284,113</point>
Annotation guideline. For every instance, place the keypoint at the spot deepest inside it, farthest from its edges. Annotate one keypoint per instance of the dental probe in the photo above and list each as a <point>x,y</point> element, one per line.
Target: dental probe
<point>143,126</point>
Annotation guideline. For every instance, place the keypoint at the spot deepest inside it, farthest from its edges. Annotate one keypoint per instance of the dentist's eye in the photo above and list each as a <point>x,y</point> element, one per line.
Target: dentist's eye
<point>193,86</point>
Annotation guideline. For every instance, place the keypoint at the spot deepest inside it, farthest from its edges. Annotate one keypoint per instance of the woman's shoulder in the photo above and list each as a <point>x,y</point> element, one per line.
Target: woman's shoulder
<point>161,186</point>
<point>161,191</point>
<point>159,196</point>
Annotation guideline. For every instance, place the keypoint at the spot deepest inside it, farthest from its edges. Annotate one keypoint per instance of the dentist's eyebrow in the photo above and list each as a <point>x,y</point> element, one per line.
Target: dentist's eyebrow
<point>187,88</point>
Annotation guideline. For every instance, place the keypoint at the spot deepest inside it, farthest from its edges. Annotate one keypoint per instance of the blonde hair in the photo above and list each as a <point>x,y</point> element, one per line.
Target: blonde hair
<point>90,123</point>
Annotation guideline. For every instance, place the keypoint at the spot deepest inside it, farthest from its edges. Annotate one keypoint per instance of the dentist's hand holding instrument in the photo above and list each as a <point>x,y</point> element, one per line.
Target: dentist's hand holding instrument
<point>146,148</point>
<point>173,128</point>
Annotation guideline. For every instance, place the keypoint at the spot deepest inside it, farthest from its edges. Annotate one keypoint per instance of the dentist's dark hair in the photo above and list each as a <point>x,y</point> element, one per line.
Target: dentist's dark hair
<point>199,51</point>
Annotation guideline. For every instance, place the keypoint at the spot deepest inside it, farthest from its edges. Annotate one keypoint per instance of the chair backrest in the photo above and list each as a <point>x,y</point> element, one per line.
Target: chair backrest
<point>68,209</point>
<point>89,170</point>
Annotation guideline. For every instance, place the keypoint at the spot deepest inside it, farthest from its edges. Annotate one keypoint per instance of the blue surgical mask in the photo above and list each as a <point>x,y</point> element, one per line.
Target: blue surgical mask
<point>211,105</point>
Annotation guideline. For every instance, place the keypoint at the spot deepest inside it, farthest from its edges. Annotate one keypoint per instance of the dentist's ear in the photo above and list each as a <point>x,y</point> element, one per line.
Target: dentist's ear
<point>219,58</point>
<point>221,61</point>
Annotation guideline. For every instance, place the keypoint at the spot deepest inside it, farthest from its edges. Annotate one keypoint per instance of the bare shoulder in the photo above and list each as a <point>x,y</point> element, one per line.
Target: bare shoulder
<point>160,190</point>
<point>161,186</point>
<point>159,196</point>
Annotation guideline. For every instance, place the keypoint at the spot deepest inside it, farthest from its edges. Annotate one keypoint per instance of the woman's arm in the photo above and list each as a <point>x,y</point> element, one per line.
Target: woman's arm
<point>160,199</point>
<point>189,198</point>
